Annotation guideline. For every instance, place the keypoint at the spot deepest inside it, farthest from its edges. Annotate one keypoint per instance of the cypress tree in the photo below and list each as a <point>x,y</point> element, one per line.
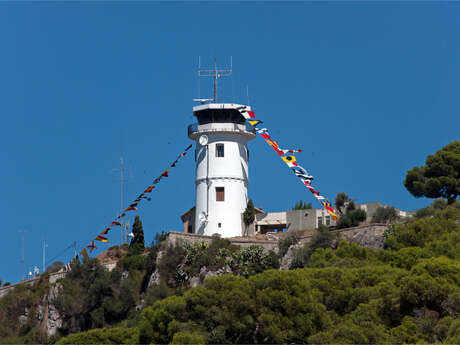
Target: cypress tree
<point>137,243</point>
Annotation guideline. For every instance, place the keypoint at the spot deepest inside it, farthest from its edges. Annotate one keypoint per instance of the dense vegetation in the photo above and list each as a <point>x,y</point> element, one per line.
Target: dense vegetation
<point>407,293</point>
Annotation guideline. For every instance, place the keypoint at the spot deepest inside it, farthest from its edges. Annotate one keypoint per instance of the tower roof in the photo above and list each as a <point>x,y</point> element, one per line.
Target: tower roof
<point>219,113</point>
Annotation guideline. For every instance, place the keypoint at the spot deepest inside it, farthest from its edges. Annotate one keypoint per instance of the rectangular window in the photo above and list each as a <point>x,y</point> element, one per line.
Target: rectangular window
<point>219,150</point>
<point>320,220</point>
<point>220,194</point>
<point>328,220</point>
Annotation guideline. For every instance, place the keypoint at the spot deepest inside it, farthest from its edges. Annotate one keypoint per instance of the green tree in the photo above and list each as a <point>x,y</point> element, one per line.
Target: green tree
<point>114,335</point>
<point>188,337</point>
<point>341,201</point>
<point>302,205</point>
<point>439,177</point>
<point>285,243</point>
<point>351,218</point>
<point>55,266</point>
<point>137,243</point>
<point>323,238</point>
<point>249,215</point>
<point>385,214</point>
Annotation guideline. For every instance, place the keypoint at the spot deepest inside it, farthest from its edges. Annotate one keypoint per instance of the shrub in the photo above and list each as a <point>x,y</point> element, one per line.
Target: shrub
<point>285,243</point>
<point>385,214</point>
<point>351,218</point>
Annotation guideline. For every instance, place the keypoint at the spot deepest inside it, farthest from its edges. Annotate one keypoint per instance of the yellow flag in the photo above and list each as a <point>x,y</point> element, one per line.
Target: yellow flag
<point>254,122</point>
<point>272,143</point>
<point>289,159</point>
<point>84,253</point>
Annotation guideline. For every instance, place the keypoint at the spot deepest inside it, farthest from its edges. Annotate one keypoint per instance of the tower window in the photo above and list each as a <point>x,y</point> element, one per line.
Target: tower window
<point>219,150</point>
<point>219,225</point>
<point>220,194</point>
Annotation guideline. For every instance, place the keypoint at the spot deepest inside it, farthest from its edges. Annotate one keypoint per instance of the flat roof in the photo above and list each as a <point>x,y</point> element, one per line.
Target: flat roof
<point>219,106</point>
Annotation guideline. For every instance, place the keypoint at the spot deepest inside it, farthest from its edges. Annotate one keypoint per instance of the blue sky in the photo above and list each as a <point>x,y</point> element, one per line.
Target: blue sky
<point>366,89</point>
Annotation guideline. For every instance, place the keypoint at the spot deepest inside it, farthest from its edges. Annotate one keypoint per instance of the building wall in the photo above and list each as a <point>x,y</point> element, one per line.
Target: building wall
<point>229,172</point>
<point>308,219</point>
<point>188,220</point>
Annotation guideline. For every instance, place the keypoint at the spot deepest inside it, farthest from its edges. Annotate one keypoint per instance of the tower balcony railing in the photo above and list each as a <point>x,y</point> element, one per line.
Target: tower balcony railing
<point>245,128</point>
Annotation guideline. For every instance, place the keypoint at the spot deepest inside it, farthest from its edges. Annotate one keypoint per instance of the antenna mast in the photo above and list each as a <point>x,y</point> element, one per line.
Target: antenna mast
<point>22,253</point>
<point>123,178</point>
<point>44,254</point>
<point>215,73</point>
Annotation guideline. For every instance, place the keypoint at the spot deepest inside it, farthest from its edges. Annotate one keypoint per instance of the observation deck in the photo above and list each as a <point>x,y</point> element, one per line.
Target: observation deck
<point>195,130</point>
<point>220,118</point>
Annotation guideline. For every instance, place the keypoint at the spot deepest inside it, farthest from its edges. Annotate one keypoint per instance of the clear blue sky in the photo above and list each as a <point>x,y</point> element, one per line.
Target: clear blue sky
<point>367,89</point>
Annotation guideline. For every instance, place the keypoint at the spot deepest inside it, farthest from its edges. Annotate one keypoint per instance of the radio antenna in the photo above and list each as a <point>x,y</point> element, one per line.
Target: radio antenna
<point>215,73</point>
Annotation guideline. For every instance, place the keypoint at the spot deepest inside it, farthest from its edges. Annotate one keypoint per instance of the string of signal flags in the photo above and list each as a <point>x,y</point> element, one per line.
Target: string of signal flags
<point>288,157</point>
<point>133,206</point>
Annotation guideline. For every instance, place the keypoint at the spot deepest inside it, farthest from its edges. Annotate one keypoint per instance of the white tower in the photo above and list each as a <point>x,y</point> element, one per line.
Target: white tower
<point>221,157</point>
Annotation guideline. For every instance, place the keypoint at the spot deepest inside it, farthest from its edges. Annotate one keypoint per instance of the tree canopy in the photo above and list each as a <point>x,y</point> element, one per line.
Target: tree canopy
<point>249,215</point>
<point>137,243</point>
<point>439,177</point>
<point>302,205</point>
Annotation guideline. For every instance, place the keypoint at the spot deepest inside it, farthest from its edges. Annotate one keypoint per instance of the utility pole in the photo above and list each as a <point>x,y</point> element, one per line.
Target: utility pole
<point>22,253</point>
<point>123,178</point>
<point>44,254</point>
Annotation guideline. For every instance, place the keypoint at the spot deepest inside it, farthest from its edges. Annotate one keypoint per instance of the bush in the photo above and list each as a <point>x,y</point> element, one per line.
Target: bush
<point>323,238</point>
<point>351,218</point>
<point>285,243</point>
<point>115,335</point>
<point>385,214</point>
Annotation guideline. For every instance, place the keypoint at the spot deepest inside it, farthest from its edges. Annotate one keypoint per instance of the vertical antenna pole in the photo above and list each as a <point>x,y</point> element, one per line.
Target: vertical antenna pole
<point>215,81</point>
<point>22,253</point>
<point>122,169</point>
<point>199,67</point>
<point>44,254</point>
<point>215,73</point>
<point>247,93</point>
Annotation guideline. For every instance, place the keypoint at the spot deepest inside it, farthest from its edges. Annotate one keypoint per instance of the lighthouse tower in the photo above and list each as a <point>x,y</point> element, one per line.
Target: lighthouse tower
<point>222,158</point>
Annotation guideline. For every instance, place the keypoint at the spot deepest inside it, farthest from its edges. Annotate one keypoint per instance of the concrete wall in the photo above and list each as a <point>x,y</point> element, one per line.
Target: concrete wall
<point>300,220</point>
<point>307,219</point>
<point>175,238</point>
<point>370,236</point>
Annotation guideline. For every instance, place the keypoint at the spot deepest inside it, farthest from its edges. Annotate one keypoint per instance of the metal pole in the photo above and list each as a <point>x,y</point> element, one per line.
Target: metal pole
<point>22,253</point>
<point>44,255</point>
<point>74,249</point>
<point>122,168</point>
<point>207,181</point>
<point>215,81</point>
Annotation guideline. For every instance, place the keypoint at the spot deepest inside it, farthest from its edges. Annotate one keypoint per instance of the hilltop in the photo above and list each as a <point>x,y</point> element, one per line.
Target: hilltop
<point>333,292</point>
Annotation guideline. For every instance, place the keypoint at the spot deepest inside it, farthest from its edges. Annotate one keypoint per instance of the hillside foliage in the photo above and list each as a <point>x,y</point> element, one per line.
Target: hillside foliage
<point>339,292</point>
<point>407,293</point>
